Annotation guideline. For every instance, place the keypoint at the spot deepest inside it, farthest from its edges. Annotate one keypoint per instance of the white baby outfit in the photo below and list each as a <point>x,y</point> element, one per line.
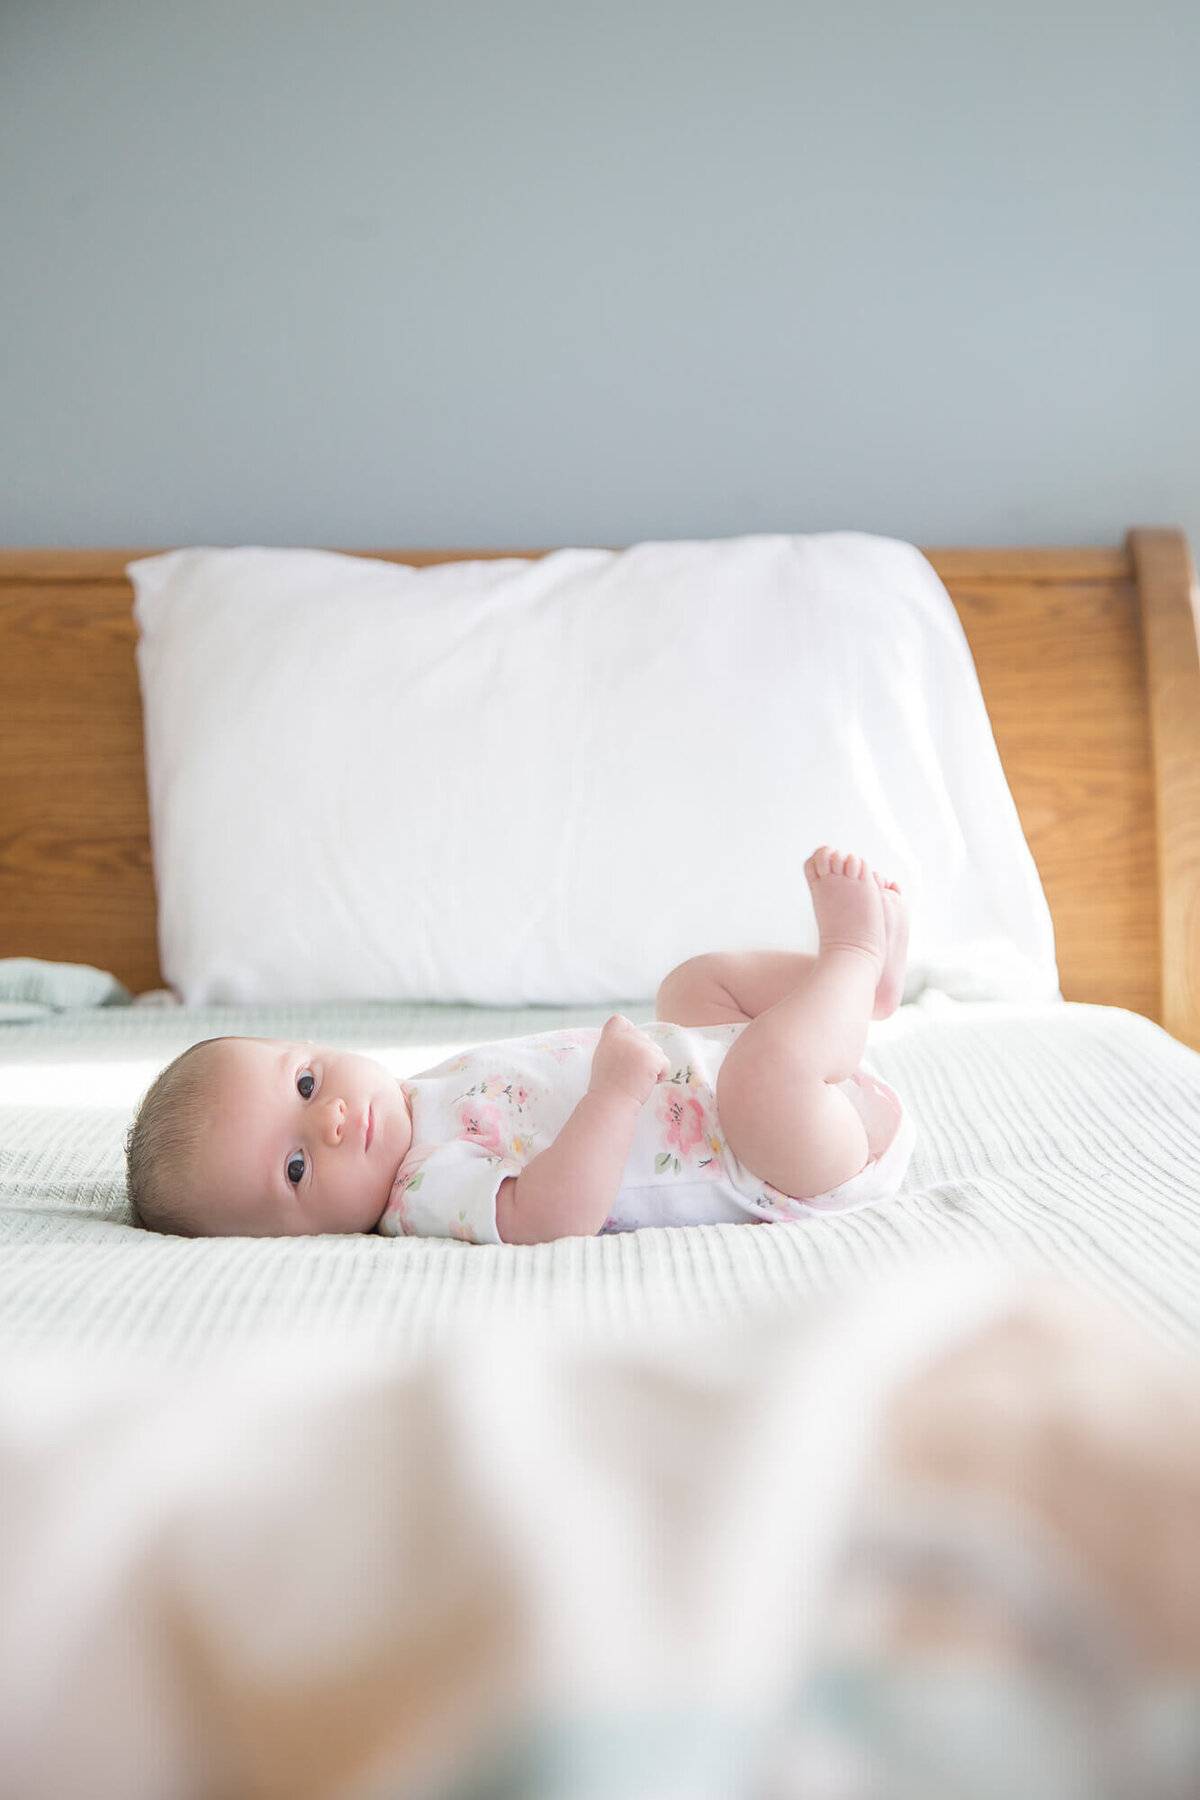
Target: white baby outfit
<point>482,1115</point>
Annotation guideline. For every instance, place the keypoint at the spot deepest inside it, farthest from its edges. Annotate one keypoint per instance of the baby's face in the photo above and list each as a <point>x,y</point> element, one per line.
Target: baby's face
<point>299,1139</point>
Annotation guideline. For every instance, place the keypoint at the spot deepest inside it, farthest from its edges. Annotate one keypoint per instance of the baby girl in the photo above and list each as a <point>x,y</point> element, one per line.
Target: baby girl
<point>760,1109</point>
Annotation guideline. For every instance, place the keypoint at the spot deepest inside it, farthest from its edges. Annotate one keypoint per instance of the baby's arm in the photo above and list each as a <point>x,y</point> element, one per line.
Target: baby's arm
<point>568,1190</point>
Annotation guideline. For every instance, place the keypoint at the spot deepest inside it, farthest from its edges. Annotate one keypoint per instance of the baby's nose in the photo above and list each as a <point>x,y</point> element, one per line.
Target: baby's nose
<point>335,1118</point>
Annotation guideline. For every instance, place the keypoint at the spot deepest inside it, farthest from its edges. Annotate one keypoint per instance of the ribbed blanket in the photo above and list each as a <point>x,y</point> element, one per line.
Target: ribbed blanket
<point>1064,1137</point>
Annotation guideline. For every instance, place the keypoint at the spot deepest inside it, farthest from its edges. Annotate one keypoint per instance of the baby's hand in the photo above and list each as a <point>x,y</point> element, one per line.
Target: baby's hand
<point>628,1061</point>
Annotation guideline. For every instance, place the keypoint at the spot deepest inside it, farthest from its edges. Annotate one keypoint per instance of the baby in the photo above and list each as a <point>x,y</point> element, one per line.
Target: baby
<point>761,1111</point>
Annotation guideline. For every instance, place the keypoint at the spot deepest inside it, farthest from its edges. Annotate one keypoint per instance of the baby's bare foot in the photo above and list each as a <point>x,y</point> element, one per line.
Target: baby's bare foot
<point>890,991</point>
<point>848,904</point>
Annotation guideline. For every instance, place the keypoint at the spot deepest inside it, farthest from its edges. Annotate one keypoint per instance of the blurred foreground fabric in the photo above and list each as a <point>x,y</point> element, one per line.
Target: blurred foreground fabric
<point>940,1539</point>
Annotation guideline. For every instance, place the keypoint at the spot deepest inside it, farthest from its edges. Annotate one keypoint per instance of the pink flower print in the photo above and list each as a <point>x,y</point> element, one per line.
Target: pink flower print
<point>687,1131</point>
<point>500,1087</point>
<point>684,1122</point>
<point>780,1208</point>
<point>407,1181</point>
<point>483,1123</point>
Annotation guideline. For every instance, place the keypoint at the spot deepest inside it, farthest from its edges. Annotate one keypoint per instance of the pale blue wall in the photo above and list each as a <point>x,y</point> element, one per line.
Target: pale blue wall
<point>468,273</point>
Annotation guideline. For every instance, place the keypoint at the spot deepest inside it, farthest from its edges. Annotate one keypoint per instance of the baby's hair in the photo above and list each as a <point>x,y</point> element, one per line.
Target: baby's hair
<point>161,1144</point>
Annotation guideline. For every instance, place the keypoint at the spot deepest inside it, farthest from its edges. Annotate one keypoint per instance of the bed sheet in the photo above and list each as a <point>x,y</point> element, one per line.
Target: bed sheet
<point>1061,1137</point>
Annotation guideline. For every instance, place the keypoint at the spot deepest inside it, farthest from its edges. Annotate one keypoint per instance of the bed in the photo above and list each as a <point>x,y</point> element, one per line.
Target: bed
<point>1058,1144</point>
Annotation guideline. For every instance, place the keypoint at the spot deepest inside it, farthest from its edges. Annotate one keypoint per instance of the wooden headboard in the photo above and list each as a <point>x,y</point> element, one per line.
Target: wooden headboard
<point>1087,660</point>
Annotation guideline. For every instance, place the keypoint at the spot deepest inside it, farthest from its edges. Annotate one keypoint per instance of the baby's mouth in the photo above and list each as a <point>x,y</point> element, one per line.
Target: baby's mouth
<point>370,1128</point>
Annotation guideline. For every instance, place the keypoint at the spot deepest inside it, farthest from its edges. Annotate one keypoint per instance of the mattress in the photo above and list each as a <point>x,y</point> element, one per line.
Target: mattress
<point>1062,1137</point>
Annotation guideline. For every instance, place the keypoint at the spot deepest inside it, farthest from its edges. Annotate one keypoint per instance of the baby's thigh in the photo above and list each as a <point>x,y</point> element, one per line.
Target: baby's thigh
<point>802,1137</point>
<point>695,994</point>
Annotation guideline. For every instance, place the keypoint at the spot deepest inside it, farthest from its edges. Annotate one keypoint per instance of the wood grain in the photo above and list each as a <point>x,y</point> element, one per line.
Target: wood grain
<point>1167,582</point>
<point>76,883</point>
<point>1061,669</point>
<point>1098,736</point>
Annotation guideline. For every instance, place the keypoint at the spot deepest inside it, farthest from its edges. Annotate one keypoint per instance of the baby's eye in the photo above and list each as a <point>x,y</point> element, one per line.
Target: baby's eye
<point>295,1168</point>
<point>306,1081</point>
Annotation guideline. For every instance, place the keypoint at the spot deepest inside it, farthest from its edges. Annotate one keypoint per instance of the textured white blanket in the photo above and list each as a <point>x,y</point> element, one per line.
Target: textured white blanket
<point>1065,1137</point>
<point>743,1563</point>
<point>365,1517</point>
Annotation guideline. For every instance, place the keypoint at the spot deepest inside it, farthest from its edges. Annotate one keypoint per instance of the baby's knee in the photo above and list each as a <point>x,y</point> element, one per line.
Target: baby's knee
<point>689,984</point>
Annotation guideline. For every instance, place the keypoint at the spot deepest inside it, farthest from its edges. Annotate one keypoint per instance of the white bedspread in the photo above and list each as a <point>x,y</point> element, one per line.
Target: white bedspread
<point>373,1517</point>
<point>631,1572</point>
<point>1064,1137</point>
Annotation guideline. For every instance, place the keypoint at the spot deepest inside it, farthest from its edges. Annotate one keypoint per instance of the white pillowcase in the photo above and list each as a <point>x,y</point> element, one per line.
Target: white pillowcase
<point>550,780</point>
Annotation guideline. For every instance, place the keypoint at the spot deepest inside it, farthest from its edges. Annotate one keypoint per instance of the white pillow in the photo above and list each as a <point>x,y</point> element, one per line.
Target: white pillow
<point>550,780</point>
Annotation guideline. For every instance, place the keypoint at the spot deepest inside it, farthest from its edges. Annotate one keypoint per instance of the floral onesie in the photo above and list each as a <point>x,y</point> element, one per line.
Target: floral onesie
<point>482,1115</point>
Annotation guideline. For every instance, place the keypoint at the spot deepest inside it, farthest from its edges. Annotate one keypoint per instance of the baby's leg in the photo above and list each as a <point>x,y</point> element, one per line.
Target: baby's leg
<point>727,987</point>
<point>730,987</point>
<point>780,1109</point>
